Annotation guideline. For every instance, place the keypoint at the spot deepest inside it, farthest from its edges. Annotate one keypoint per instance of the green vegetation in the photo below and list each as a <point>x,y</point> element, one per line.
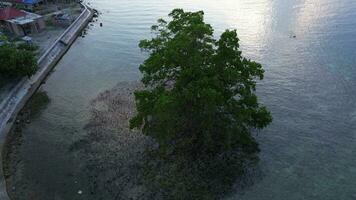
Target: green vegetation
<point>2,37</point>
<point>199,104</point>
<point>17,60</point>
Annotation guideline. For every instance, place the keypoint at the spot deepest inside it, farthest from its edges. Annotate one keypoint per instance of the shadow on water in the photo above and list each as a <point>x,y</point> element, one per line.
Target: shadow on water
<point>119,162</point>
<point>11,156</point>
<point>307,153</point>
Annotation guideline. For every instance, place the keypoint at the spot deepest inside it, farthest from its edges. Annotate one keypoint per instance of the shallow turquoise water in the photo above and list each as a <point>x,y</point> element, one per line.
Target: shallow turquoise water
<point>308,152</point>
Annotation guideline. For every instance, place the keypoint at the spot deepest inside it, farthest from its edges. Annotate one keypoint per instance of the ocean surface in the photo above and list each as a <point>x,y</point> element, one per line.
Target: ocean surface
<point>307,48</point>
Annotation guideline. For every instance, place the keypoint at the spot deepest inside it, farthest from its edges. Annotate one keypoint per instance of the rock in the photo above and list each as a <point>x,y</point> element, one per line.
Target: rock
<point>80,192</point>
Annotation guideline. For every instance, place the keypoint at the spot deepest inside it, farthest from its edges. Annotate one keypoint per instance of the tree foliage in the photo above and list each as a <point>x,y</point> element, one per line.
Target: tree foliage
<point>17,61</point>
<point>199,96</point>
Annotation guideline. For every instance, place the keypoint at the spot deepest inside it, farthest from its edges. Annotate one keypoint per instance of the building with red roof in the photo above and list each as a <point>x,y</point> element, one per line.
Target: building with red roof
<point>28,2</point>
<point>20,22</point>
<point>10,13</point>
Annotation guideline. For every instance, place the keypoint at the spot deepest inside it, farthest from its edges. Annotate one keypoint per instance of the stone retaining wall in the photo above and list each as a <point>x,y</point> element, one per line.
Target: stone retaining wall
<point>18,97</point>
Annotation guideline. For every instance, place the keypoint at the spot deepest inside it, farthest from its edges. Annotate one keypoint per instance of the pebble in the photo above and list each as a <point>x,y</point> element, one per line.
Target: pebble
<point>80,192</point>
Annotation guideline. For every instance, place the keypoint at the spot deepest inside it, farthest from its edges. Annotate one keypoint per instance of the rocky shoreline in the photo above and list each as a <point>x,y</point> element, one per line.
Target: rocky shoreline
<point>12,160</point>
<point>111,155</point>
<point>111,158</point>
<point>23,91</point>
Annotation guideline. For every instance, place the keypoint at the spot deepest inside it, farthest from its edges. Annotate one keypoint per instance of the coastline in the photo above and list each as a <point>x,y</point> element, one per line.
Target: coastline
<point>24,90</point>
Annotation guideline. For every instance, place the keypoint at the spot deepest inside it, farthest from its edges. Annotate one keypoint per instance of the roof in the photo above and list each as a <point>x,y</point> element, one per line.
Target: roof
<point>10,13</point>
<point>25,1</point>
<point>27,18</point>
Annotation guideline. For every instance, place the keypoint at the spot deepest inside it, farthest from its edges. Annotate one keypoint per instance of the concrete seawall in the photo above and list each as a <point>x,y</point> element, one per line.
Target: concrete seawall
<point>17,98</point>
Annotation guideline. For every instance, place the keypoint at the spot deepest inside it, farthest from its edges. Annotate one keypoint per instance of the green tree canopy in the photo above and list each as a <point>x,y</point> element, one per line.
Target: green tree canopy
<point>17,61</point>
<point>199,96</point>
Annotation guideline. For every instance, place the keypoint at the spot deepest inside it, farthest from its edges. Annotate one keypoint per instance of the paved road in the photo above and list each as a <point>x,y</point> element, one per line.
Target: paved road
<point>17,97</point>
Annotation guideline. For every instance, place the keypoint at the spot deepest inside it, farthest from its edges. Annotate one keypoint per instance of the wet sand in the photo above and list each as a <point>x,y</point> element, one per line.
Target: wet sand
<point>113,153</point>
<point>112,156</point>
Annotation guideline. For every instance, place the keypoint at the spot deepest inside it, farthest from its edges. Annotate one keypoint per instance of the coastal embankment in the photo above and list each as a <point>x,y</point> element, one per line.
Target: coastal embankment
<point>22,92</point>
